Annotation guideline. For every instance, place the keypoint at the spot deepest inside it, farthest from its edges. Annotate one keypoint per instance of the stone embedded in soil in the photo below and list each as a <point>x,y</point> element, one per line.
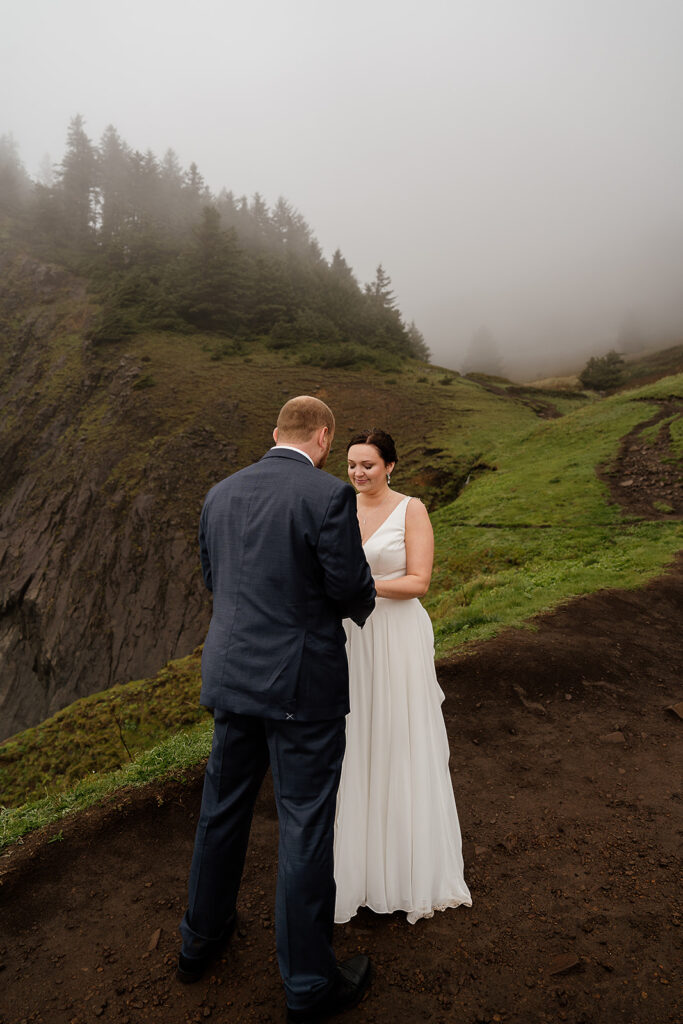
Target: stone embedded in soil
<point>563,963</point>
<point>676,709</point>
<point>154,940</point>
<point>613,737</point>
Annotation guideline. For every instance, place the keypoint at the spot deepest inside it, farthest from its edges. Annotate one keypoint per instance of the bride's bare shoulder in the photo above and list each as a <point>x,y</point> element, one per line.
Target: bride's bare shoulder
<point>415,509</point>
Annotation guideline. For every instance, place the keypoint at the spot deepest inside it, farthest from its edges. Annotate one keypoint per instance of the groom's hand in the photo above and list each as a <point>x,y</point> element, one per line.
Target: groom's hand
<point>348,580</point>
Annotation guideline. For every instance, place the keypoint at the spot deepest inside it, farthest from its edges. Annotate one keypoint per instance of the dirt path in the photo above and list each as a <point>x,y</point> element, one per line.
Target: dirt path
<point>645,478</point>
<point>533,398</point>
<point>565,765</point>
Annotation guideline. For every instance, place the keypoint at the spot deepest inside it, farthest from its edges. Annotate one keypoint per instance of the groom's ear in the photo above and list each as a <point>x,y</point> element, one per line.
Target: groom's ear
<point>275,435</point>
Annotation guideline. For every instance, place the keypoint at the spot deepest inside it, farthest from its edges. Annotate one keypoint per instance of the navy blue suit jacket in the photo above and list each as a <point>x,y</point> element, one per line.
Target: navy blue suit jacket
<point>281,551</point>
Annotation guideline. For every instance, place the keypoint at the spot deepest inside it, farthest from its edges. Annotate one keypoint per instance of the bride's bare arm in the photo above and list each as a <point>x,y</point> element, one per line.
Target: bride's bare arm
<point>419,557</point>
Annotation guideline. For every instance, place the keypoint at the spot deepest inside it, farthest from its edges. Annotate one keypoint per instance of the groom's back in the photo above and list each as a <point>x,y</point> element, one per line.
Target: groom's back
<point>270,536</point>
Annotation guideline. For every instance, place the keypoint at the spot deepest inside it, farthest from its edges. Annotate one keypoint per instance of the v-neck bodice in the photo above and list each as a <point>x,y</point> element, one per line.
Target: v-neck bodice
<point>385,549</point>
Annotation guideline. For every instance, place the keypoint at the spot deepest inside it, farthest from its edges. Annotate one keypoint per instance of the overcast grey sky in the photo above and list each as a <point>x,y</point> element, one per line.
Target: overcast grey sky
<point>513,163</point>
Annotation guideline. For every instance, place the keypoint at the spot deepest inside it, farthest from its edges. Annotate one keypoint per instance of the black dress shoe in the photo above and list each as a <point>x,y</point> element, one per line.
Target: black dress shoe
<point>351,981</point>
<point>191,968</point>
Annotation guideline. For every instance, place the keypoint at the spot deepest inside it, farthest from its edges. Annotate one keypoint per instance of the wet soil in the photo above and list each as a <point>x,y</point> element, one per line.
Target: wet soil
<point>566,764</point>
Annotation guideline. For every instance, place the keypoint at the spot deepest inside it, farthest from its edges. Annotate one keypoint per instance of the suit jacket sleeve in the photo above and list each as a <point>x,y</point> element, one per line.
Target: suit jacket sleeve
<point>347,577</point>
<point>204,555</point>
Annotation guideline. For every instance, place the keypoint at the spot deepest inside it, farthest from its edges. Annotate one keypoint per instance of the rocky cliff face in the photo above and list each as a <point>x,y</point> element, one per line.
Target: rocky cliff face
<point>98,505</point>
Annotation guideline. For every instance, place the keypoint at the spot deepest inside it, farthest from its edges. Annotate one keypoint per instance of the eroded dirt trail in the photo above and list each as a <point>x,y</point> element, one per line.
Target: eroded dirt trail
<point>645,478</point>
<point>565,764</point>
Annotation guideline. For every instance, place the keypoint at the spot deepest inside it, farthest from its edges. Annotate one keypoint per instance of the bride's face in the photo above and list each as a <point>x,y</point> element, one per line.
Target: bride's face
<point>367,469</point>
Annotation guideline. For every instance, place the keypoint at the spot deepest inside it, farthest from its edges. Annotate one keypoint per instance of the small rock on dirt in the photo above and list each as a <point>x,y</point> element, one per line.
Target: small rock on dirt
<point>676,709</point>
<point>613,737</point>
<point>563,963</point>
<point>154,941</point>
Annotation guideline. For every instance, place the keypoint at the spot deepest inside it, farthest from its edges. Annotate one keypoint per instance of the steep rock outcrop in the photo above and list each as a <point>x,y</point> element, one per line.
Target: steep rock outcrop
<point>99,496</point>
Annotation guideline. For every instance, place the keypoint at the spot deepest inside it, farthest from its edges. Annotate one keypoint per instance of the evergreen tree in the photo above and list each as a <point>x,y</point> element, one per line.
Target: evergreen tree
<point>343,301</point>
<point>115,189</point>
<point>195,195</point>
<point>160,252</point>
<point>380,289</point>
<point>300,238</point>
<point>15,184</point>
<point>418,345</point>
<point>603,372</point>
<point>77,186</point>
<point>382,321</point>
<point>282,219</point>
<point>260,228</point>
<point>195,185</point>
<point>146,197</point>
<point>213,293</point>
<point>341,271</point>
<point>271,301</point>
<point>172,205</point>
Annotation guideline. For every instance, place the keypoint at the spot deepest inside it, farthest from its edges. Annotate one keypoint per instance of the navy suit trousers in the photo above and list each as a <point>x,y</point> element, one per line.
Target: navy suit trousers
<point>306,760</point>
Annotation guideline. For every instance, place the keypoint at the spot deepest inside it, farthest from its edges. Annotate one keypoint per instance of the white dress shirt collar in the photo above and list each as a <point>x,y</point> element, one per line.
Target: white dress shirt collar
<point>291,448</point>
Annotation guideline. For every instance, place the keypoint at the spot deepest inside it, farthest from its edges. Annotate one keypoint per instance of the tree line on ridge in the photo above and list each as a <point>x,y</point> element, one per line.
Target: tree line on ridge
<point>162,252</point>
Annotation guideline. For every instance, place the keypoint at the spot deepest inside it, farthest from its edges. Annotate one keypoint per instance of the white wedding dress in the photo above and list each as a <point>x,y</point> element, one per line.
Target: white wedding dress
<point>397,836</point>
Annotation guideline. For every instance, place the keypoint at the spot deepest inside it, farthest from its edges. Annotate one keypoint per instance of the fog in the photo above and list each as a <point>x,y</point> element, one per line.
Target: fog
<point>515,165</point>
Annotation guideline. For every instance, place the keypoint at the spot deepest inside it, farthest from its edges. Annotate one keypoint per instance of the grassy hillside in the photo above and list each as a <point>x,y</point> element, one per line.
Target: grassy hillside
<point>107,451</point>
<point>533,527</point>
<point>101,732</point>
<point>540,528</point>
<point>651,366</point>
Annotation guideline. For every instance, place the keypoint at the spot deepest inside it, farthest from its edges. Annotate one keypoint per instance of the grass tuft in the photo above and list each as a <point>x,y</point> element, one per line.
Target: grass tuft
<point>177,754</point>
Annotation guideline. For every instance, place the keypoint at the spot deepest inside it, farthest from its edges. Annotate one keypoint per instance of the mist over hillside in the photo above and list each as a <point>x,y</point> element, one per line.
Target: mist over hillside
<point>161,251</point>
<point>514,167</point>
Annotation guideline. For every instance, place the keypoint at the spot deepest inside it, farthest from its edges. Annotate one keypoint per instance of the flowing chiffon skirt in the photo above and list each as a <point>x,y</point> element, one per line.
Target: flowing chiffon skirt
<point>397,835</point>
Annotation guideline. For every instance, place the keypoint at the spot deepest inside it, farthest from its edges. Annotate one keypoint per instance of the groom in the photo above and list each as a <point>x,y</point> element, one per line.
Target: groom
<point>281,551</point>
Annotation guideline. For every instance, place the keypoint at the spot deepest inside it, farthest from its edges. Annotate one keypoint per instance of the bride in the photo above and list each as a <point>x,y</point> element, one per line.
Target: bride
<point>397,836</point>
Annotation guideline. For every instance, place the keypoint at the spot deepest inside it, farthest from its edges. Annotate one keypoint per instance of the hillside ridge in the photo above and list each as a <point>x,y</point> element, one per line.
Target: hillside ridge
<point>107,451</point>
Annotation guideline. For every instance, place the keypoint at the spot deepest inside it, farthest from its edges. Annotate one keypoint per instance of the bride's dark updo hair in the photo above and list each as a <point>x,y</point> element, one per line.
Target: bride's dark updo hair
<point>379,439</point>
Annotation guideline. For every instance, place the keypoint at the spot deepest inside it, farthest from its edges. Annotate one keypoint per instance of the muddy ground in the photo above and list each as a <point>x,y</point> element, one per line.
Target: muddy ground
<point>566,765</point>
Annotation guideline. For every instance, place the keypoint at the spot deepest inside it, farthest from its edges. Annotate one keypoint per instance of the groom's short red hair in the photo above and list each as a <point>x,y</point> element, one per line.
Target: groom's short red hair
<point>300,418</point>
